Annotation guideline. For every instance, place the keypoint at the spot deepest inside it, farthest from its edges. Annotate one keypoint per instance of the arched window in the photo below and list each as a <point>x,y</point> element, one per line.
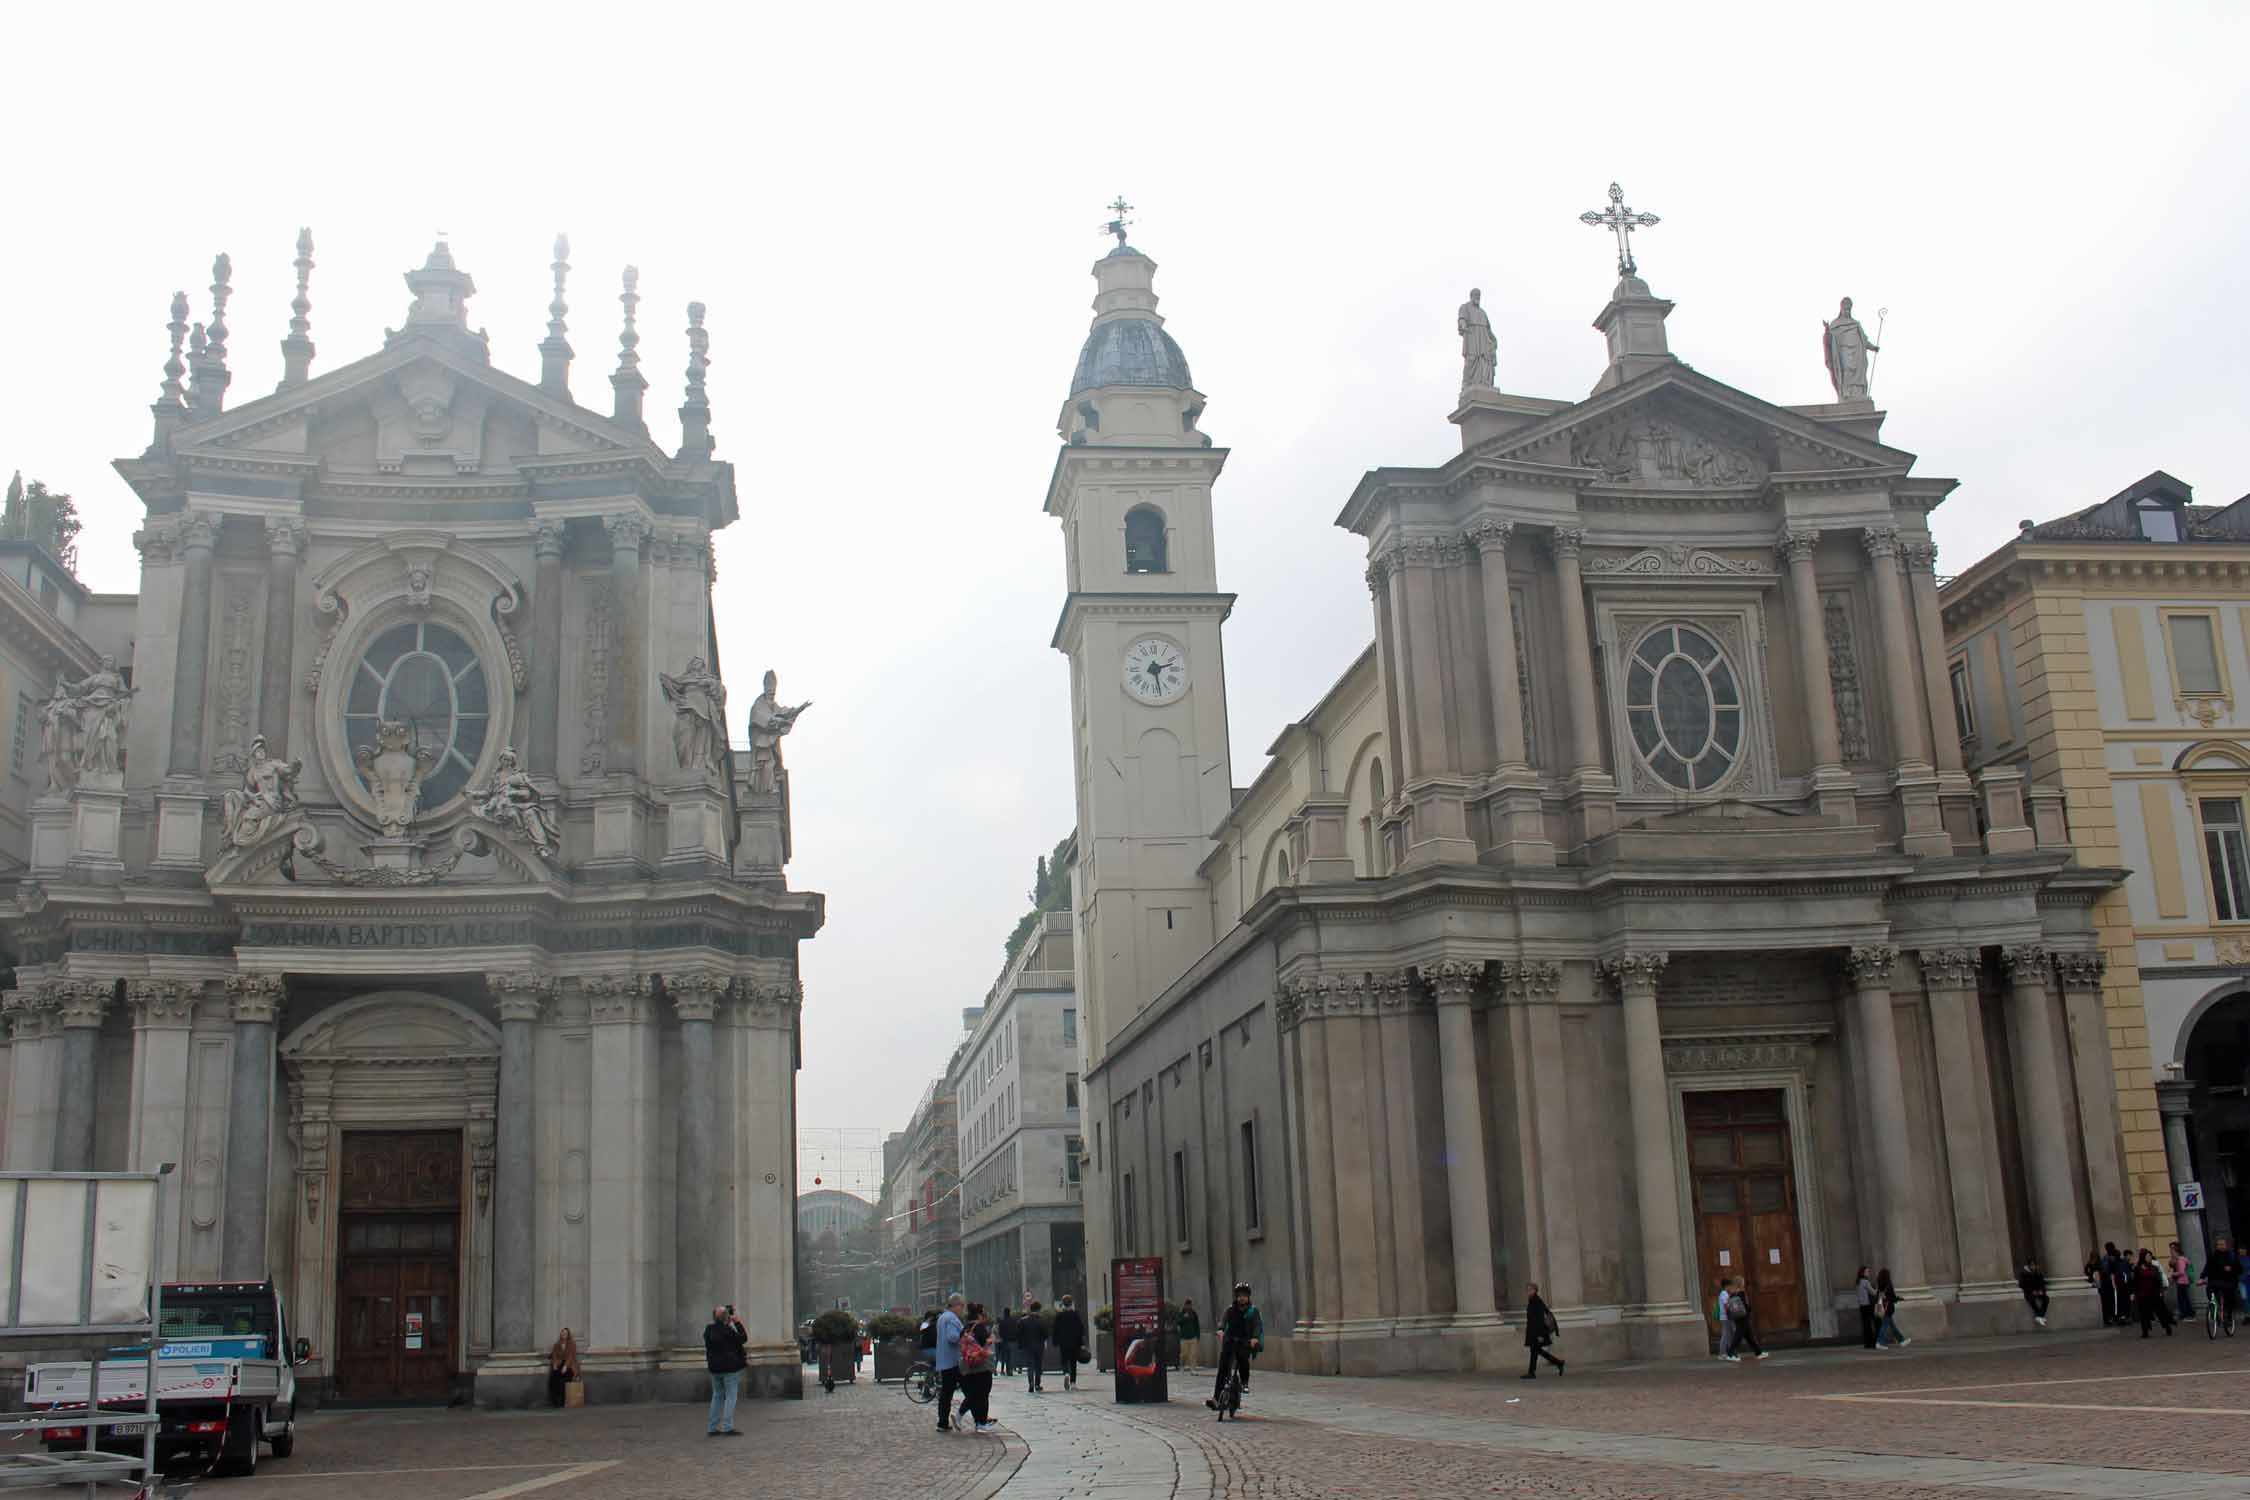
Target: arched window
<point>1144,540</point>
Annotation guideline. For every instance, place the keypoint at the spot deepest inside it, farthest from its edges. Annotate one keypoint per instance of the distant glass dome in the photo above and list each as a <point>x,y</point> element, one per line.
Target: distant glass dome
<point>1131,351</point>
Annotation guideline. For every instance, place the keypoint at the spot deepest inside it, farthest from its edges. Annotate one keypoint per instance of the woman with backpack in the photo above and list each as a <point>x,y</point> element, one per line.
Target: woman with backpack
<point>1886,1305</point>
<point>1738,1311</point>
<point>977,1360</point>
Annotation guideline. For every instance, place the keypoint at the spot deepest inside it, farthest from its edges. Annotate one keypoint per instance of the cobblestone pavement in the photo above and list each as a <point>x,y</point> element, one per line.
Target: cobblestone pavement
<point>2092,1415</point>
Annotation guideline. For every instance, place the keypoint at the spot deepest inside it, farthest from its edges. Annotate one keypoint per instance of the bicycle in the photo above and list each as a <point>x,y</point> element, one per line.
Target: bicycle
<point>2218,1311</point>
<point>1229,1399</point>
<point>921,1383</point>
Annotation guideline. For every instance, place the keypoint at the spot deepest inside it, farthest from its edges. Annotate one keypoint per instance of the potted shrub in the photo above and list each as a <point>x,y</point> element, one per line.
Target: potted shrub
<point>1105,1338</point>
<point>896,1347</point>
<point>837,1333</point>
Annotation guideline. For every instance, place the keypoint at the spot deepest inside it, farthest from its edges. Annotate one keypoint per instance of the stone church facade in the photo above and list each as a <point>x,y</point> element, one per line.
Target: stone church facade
<point>403,887</point>
<point>1621,920</point>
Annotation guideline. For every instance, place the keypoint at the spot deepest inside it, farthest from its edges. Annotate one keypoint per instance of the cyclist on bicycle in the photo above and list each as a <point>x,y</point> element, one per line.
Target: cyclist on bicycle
<point>1242,1333</point>
<point>2222,1278</point>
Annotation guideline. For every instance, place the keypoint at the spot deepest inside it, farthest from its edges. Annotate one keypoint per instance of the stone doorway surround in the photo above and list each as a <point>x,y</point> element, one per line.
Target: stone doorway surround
<point>388,1060</point>
<point>1758,1057</point>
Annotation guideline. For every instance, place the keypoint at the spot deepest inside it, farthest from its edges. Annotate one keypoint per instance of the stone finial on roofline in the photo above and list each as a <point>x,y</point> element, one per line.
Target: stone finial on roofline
<point>629,383</point>
<point>297,349</point>
<point>554,350</point>
<point>695,412</point>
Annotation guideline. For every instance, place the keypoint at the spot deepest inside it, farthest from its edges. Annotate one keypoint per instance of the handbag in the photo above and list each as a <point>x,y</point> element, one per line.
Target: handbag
<point>574,1393</point>
<point>976,1358</point>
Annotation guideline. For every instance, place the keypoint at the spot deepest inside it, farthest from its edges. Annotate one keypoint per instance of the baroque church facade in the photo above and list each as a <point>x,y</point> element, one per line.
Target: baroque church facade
<point>1622,919</point>
<point>402,886</point>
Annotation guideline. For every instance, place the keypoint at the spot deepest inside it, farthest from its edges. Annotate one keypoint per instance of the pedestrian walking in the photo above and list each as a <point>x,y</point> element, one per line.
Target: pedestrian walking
<point>1868,1321</point>
<point>2098,1278</point>
<point>2033,1281</point>
<point>1539,1330</point>
<point>1726,1324</point>
<point>2182,1275</point>
<point>948,1358</point>
<point>2148,1294</point>
<point>725,1346</point>
<point>1738,1310</point>
<point>1886,1303</point>
<point>1191,1335</point>
<point>1031,1336</point>
<point>2117,1270</point>
<point>1008,1340</point>
<point>1068,1335</point>
<point>2222,1276</point>
<point>977,1361</point>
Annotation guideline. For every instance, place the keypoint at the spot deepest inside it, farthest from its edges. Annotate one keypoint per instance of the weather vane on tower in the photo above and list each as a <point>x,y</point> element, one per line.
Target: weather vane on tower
<point>1118,224</point>
<point>1623,221</point>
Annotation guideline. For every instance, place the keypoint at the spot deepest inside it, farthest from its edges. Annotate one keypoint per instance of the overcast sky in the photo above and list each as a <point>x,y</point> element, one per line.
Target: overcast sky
<point>892,211</point>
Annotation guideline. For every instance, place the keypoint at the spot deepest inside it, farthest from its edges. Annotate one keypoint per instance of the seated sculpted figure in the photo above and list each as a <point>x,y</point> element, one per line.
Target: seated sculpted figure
<point>268,796</point>
<point>513,801</point>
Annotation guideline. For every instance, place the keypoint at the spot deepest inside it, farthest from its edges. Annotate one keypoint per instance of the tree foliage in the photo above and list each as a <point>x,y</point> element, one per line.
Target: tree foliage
<point>34,513</point>
<point>1050,891</point>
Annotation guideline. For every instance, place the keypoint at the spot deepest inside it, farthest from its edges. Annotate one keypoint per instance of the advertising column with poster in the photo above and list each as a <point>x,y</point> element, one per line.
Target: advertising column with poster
<point>1138,1308</point>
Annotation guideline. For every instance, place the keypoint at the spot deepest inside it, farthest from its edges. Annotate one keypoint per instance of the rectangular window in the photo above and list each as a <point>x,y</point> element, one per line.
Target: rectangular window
<point>1180,1198</point>
<point>2195,655</point>
<point>1964,709</point>
<point>1070,1091</point>
<point>1070,1026</point>
<point>1073,1148</point>
<point>1252,1217</point>
<point>2230,861</point>
<point>1132,1218</point>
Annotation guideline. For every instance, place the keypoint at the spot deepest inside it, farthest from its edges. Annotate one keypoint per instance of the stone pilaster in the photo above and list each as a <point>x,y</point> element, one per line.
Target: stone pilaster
<point>1466,1180</point>
<point>625,1170</point>
<point>197,537</point>
<point>2099,1125</point>
<point>1298,1003</point>
<point>163,1012</point>
<point>1405,1165</point>
<point>1663,1265</point>
<point>1593,794</point>
<point>1832,785</point>
<point>1869,968</point>
<point>33,1096</point>
<point>1530,1009</point>
<point>1913,778</point>
<point>285,545</point>
<point>548,542</point>
<point>1972,1143</point>
<point>696,995</point>
<point>2039,1068</point>
<point>1519,834</point>
<point>521,997</point>
<point>2175,1101</point>
<point>81,1005</point>
<point>254,1001</point>
<point>627,532</point>
<point>764,1040</point>
<point>1957,798</point>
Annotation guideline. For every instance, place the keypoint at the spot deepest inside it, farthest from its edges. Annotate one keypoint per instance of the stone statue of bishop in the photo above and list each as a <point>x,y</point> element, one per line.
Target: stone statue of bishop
<point>1479,349</point>
<point>1844,347</point>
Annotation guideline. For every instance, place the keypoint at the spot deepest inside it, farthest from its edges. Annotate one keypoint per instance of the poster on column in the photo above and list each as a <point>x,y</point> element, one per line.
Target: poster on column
<point>1137,1331</point>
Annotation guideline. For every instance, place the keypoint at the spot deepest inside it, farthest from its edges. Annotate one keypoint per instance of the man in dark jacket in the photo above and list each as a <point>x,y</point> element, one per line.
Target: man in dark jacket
<point>1068,1335</point>
<point>1242,1333</point>
<point>1007,1349</point>
<point>1538,1332</point>
<point>1031,1344</point>
<point>725,1346</point>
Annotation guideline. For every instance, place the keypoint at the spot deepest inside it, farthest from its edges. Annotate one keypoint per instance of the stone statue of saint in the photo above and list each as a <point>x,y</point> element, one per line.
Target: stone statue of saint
<point>769,721</point>
<point>1844,347</point>
<point>268,795</point>
<point>82,727</point>
<point>513,801</point>
<point>699,717</point>
<point>58,739</point>
<point>1479,349</point>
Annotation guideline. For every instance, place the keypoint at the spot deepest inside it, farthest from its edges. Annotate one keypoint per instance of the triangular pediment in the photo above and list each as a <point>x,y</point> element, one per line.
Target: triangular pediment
<point>1676,429</point>
<point>420,407</point>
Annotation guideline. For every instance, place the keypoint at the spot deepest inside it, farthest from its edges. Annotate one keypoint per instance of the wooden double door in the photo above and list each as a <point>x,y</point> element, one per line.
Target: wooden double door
<point>1745,1187</point>
<point>398,1273</point>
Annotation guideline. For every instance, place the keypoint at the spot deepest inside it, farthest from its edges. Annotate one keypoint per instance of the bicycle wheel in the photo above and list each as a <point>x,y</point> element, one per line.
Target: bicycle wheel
<point>2210,1317</point>
<point>921,1385</point>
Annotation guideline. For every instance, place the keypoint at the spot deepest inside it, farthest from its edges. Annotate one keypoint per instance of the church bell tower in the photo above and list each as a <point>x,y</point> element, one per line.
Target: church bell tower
<point>1140,624</point>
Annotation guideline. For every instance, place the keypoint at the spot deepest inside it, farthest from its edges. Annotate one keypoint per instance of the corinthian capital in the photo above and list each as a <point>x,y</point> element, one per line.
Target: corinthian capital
<point>1797,544</point>
<point>163,1002</point>
<point>612,999</point>
<point>521,994</point>
<point>285,537</point>
<point>197,529</point>
<point>2025,963</point>
<point>626,530</point>
<point>82,1003</point>
<point>1881,542</point>
<point>1566,541</point>
<point>697,993</point>
<point>2080,971</point>
<point>1949,968</point>
<point>1454,981</point>
<point>255,997</point>
<point>1635,973</point>
<point>1488,534</point>
<point>1921,557</point>
<point>1869,965</point>
<point>547,539</point>
<point>770,1006</point>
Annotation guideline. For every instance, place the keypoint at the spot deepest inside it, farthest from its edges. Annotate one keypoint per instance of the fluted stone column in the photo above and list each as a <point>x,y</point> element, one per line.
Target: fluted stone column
<point>2099,1127</point>
<point>1649,1098</point>
<point>1893,1147</point>
<point>82,1005</point>
<point>2175,1101</point>
<point>1907,713</point>
<point>1467,1187</point>
<point>254,1000</point>
<point>626,533</point>
<point>1578,653</point>
<point>285,544</point>
<point>696,997</point>
<point>1972,1143</point>
<point>546,665</point>
<point>2039,1106</point>
<point>198,536</point>
<point>1303,1016</point>
<point>1799,548</point>
<point>520,997</point>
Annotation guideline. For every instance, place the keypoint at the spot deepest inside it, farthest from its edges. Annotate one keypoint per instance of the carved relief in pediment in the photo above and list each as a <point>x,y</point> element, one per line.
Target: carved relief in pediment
<point>428,419</point>
<point>1642,447</point>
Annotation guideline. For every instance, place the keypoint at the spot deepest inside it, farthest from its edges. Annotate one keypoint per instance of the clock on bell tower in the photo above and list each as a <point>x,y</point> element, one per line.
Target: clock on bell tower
<point>1140,624</point>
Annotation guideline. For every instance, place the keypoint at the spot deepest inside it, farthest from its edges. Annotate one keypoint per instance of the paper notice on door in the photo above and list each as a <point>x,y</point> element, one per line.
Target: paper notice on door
<point>413,1330</point>
<point>1773,1257</point>
<point>1726,1257</point>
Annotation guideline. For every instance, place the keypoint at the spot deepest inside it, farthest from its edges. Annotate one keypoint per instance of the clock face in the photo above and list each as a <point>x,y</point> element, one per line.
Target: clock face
<point>1155,670</point>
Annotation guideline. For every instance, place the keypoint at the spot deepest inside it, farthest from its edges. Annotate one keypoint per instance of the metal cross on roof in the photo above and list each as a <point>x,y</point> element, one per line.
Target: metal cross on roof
<point>1623,221</point>
<point>1117,225</point>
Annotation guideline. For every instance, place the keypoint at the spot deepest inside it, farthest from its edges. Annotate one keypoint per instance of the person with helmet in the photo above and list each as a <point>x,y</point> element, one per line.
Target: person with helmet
<point>1242,1333</point>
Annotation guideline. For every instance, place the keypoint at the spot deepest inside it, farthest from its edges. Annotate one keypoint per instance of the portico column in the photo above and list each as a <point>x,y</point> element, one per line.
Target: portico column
<point>2101,1130</point>
<point>1972,1150</point>
<point>2175,1101</point>
<point>285,543</point>
<point>1798,548</point>
<point>254,1000</point>
<point>198,535</point>
<point>626,533</point>
<point>1491,540</point>
<point>1649,1098</point>
<point>1893,1149</point>
<point>696,996</point>
<point>1578,656</point>
<point>1910,744</point>
<point>521,998</point>
<point>82,1005</point>
<point>32,1096</point>
<point>546,665</point>
<point>2039,1107</point>
<point>1467,1189</point>
<point>1929,640</point>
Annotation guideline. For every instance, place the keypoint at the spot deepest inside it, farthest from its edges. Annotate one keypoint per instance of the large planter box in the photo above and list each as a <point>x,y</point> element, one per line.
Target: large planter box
<point>895,1357</point>
<point>1105,1352</point>
<point>836,1364</point>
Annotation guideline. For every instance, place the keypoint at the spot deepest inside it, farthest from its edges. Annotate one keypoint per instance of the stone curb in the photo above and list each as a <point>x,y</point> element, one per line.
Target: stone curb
<point>1013,1451</point>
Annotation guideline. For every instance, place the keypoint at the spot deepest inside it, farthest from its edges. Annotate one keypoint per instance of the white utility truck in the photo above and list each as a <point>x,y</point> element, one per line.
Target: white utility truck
<point>226,1380</point>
